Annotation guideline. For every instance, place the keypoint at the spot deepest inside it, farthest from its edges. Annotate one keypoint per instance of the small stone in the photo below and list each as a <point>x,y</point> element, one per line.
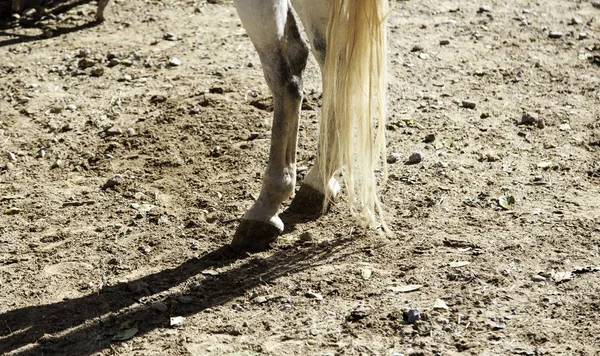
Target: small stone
<point>185,299</point>
<point>411,316</point>
<point>253,136</point>
<point>130,131</point>
<point>393,158</point>
<point>529,118</point>
<point>417,48</point>
<point>485,115</point>
<point>444,42</point>
<point>174,62</point>
<point>71,107</point>
<point>313,295</point>
<point>57,164</point>
<point>484,8</point>
<point>170,37</point>
<point>97,72</point>
<point>582,36</point>
<point>305,237</point>
<point>565,127</point>
<point>575,21</point>
<point>112,55</point>
<point>538,278</point>
<point>113,181</point>
<point>12,157</point>
<point>469,104</point>
<point>85,63</point>
<point>415,158</point>
<point>498,326</point>
<point>126,62</point>
<point>67,127</point>
<point>114,62</point>
<point>360,312</point>
<point>261,299</point>
<point>216,152</point>
<point>113,131</point>
<point>41,153</point>
<point>429,138</point>
<point>555,34</point>
<point>160,307</point>
<point>56,109</point>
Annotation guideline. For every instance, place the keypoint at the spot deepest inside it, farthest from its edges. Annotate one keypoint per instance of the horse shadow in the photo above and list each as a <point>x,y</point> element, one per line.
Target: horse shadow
<point>86,325</point>
<point>11,26</point>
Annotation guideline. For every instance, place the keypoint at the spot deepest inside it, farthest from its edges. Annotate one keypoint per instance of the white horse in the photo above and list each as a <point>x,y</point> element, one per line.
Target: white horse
<point>348,38</point>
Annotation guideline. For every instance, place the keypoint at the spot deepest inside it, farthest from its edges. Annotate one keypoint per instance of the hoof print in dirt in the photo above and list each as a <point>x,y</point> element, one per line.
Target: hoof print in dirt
<point>254,236</point>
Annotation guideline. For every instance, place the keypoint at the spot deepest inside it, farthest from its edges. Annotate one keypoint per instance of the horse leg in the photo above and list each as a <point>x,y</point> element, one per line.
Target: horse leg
<point>314,14</point>
<point>100,12</point>
<point>271,26</point>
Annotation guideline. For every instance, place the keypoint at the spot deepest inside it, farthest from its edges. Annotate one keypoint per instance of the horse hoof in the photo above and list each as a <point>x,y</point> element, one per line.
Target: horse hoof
<point>254,236</point>
<point>308,201</point>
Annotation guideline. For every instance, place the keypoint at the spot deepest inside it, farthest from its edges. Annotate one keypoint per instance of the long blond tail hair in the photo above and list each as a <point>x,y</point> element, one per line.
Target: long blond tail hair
<point>352,132</point>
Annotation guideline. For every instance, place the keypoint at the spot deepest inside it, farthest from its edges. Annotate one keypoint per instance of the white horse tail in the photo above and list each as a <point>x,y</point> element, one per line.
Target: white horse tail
<point>352,132</point>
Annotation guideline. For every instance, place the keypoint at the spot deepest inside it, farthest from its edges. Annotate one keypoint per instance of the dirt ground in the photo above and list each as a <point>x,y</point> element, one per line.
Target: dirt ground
<point>496,233</point>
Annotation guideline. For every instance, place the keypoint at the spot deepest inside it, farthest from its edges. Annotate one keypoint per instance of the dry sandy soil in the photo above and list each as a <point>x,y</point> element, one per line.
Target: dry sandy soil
<point>83,263</point>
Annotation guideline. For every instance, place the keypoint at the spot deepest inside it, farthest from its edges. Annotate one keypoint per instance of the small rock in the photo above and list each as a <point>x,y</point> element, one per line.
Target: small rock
<point>177,320</point>
<point>261,299</point>
<point>411,316</point>
<point>170,37</point>
<point>582,36</point>
<point>216,152</point>
<point>113,181</point>
<point>485,115</point>
<point>253,136</point>
<point>529,118</point>
<point>417,48</point>
<point>174,62</point>
<point>393,158</point>
<point>469,104</point>
<point>305,237</point>
<point>538,278</point>
<point>484,8</point>
<point>114,62</point>
<point>114,131</point>
<point>85,63</point>
<point>185,299</point>
<point>313,295</point>
<point>565,127</point>
<point>429,138</point>
<point>440,305</point>
<point>112,55</point>
<point>41,153</point>
<point>12,157</point>
<point>360,312</point>
<point>555,34</point>
<point>498,326</point>
<point>126,62</point>
<point>130,131</point>
<point>97,72</point>
<point>415,158</point>
<point>444,42</point>
<point>575,21</point>
<point>160,307</point>
<point>71,107</point>
<point>58,163</point>
<point>56,109</point>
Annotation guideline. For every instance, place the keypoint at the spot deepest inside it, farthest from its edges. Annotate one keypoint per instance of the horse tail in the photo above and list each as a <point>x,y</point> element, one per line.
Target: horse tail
<point>352,131</point>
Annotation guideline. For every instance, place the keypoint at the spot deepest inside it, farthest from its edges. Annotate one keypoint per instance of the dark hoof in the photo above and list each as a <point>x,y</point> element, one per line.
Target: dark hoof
<point>254,236</point>
<point>308,201</point>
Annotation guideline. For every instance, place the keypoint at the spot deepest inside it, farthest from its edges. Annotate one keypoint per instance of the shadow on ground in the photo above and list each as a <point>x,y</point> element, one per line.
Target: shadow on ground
<point>11,28</point>
<point>86,325</point>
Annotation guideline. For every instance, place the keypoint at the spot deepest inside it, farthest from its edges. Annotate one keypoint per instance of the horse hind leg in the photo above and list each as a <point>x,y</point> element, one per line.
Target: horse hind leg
<point>310,198</point>
<point>271,26</point>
